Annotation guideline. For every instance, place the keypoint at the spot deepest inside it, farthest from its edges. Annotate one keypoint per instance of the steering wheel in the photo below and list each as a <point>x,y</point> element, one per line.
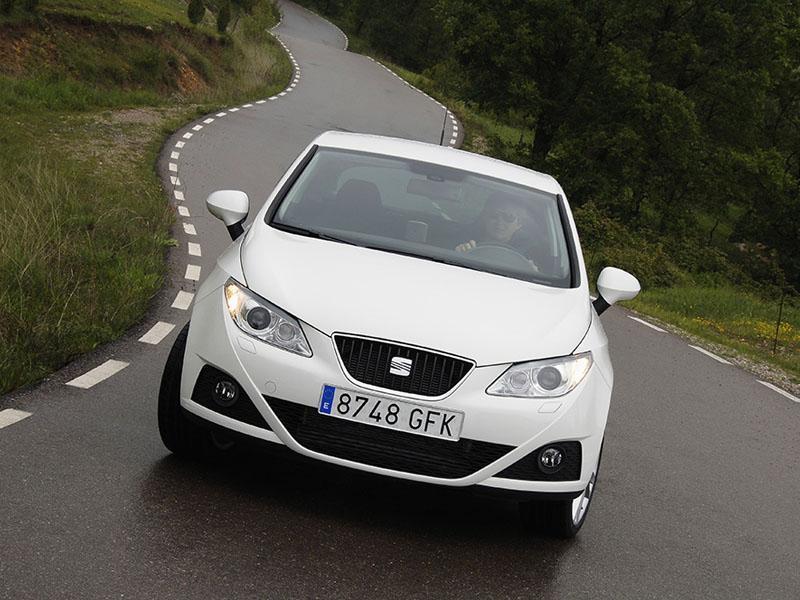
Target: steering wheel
<point>500,253</point>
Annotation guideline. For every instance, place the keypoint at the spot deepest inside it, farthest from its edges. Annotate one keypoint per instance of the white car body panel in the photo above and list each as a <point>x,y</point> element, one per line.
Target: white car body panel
<point>341,288</point>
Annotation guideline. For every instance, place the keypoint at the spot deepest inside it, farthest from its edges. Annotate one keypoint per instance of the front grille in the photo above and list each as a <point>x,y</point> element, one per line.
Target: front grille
<point>527,467</point>
<point>382,447</point>
<point>368,361</point>
<point>242,410</point>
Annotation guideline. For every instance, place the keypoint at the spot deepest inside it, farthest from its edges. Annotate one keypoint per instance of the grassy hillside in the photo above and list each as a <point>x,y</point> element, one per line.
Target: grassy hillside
<point>88,91</point>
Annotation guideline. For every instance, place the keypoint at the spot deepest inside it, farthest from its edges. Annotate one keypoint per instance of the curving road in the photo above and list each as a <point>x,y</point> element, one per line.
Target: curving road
<point>701,472</point>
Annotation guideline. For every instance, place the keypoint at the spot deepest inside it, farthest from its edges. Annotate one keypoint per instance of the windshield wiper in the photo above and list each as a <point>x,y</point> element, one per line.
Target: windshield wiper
<point>312,233</point>
<point>444,261</point>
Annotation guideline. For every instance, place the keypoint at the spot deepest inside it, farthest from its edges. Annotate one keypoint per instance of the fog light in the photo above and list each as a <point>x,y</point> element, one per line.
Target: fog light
<point>226,393</point>
<point>550,459</point>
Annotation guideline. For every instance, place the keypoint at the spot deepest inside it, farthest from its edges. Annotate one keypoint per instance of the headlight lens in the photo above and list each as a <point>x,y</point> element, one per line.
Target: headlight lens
<point>263,320</point>
<point>542,378</point>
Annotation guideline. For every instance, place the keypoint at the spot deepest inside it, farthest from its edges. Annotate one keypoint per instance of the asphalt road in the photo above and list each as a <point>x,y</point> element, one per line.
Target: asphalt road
<point>697,497</point>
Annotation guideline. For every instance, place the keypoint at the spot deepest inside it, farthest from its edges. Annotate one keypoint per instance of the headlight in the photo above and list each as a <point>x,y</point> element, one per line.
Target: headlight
<point>542,378</point>
<point>263,320</point>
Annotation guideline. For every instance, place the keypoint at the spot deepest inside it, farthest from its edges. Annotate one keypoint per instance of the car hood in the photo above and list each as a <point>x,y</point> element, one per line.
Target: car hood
<point>342,288</point>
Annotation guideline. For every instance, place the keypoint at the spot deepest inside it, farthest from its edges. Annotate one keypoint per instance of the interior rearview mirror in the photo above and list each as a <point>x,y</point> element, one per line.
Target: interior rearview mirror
<point>230,207</point>
<point>615,285</point>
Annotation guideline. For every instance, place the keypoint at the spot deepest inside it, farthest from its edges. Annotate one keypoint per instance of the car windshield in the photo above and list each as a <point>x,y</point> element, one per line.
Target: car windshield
<point>429,211</point>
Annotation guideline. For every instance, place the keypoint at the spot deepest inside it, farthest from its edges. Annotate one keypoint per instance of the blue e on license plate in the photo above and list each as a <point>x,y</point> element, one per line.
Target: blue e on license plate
<point>389,413</point>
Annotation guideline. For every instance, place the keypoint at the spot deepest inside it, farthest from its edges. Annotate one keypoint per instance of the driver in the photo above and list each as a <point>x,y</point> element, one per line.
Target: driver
<point>500,219</point>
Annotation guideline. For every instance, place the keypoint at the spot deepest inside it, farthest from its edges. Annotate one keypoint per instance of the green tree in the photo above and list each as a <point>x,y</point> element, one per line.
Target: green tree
<point>6,6</point>
<point>196,11</point>
<point>224,17</point>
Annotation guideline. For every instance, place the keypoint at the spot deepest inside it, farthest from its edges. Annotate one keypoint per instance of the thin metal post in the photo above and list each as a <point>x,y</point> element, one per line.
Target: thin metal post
<point>778,325</point>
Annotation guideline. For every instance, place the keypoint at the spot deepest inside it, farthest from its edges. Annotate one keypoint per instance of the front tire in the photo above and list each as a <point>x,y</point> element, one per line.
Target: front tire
<point>179,434</point>
<point>560,518</point>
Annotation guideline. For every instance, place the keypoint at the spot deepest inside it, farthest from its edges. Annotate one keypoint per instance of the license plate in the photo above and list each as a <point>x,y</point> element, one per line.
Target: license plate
<point>400,415</point>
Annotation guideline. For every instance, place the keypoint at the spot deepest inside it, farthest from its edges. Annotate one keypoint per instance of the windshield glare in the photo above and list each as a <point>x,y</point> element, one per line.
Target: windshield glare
<point>429,211</point>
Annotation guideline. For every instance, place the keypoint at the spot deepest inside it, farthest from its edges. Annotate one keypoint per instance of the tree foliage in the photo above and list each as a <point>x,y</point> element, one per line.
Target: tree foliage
<point>196,11</point>
<point>224,17</point>
<point>679,119</point>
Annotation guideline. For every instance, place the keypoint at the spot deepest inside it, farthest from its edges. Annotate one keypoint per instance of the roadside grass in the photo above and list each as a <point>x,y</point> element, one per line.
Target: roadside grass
<point>733,317</point>
<point>84,224</point>
<point>150,13</point>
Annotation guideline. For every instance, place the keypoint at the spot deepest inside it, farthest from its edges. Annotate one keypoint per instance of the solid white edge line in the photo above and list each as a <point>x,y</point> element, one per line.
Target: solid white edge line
<point>9,416</point>
<point>193,272</point>
<point>183,211</point>
<point>189,229</point>
<point>650,325</point>
<point>711,354</point>
<point>183,300</point>
<point>98,374</point>
<point>157,333</point>
<point>194,249</point>
<point>775,388</point>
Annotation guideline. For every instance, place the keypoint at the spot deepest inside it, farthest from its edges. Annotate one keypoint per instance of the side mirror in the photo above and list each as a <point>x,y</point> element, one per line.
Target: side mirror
<point>230,207</point>
<point>614,285</point>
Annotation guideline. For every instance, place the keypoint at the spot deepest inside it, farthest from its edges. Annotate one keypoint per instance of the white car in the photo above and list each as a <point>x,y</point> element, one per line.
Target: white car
<point>407,310</point>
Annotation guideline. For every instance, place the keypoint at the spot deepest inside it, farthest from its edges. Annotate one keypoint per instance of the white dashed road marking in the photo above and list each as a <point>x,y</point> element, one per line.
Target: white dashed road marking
<point>179,196</point>
<point>775,388</point>
<point>233,109</point>
<point>183,300</point>
<point>188,135</point>
<point>197,127</point>
<point>208,120</point>
<point>98,374</point>
<point>189,229</point>
<point>10,416</point>
<point>183,211</point>
<point>194,249</point>
<point>180,144</point>
<point>193,272</point>
<point>712,355</point>
<point>650,325</point>
<point>157,333</point>
<point>175,155</point>
<point>173,167</point>
<point>221,114</point>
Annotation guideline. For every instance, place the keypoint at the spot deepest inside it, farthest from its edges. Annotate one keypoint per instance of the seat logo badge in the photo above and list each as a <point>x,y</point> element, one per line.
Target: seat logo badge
<point>400,366</point>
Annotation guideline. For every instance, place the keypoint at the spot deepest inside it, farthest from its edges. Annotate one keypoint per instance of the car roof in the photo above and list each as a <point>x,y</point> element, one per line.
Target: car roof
<point>440,155</point>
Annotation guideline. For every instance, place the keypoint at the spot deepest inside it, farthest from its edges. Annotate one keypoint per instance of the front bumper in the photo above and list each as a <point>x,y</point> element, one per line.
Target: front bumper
<point>498,438</point>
